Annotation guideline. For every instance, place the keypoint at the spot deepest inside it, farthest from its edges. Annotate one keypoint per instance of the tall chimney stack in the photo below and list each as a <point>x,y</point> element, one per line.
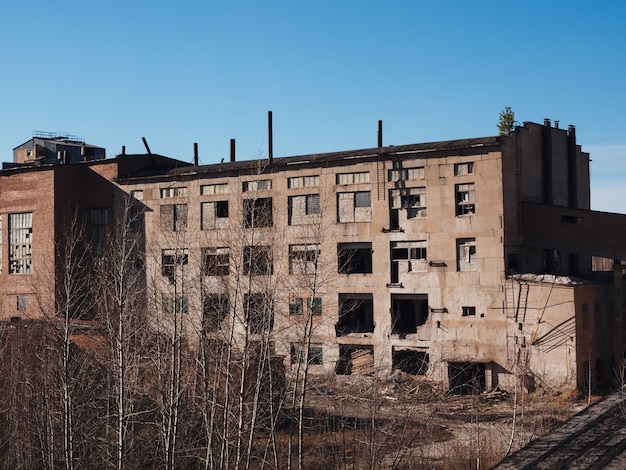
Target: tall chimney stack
<point>195,153</point>
<point>380,133</point>
<point>232,150</point>
<point>270,142</point>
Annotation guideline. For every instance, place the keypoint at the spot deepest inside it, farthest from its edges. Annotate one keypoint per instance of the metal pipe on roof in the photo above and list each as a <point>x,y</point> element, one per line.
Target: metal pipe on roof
<point>270,142</point>
<point>380,133</point>
<point>232,150</point>
<point>195,153</point>
<point>145,143</point>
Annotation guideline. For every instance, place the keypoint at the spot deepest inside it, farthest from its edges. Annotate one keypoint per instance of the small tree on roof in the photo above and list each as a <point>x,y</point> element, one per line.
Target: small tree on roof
<point>506,121</point>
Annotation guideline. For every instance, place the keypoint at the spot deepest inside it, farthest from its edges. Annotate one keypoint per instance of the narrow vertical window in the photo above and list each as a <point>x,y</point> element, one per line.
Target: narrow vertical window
<point>21,243</point>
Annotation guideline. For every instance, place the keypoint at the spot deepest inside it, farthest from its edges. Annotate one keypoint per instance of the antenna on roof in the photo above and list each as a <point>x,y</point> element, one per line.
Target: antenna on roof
<point>145,143</point>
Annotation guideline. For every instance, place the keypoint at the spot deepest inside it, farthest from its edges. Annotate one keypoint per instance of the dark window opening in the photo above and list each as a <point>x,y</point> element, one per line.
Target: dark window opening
<point>465,196</point>
<point>315,356</point>
<point>257,261</point>
<point>354,258</point>
<point>221,209</point>
<point>170,260</point>
<point>513,263</point>
<point>551,261</point>
<point>257,212</point>
<point>215,261</point>
<point>469,311</point>
<point>215,308</point>
<point>466,378</point>
<point>356,314</point>
<point>408,312</point>
<point>259,313</point>
<point>410,362</point>
<point>354,359</point>
<point>569,219</point>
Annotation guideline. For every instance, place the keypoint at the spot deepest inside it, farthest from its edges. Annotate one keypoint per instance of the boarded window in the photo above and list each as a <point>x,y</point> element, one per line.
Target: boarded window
<point>173,217</point>
<point>173,192</point>
<point>207,189</point>
<point>214,214</point>
<point>303,181</point>
<point>403,174</point>
<point>301,208</point>
<point>21,243</point>
<point>463,168</point>
<point>354,207</point>
<point>353,178</point>
<point>258,185</point>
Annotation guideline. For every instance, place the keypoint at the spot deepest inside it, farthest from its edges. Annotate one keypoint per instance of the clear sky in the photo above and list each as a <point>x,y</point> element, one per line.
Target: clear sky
<point>207,71</point>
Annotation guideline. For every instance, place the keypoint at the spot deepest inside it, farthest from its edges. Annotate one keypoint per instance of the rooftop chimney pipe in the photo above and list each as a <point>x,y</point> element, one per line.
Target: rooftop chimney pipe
<point>546,122</point>
<point>556,124</point>
<point>232,150</point>
<point>123,149</point>
<point>145,143</point>
<point>380,133</point>
<point>195,153</point>
<point>270,142</point>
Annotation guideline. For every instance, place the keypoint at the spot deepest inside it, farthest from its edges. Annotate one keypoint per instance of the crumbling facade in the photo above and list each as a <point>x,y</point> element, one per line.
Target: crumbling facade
<point>467,261</point>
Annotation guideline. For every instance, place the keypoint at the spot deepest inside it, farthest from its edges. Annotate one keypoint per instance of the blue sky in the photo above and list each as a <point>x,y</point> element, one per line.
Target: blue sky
<point>205,71</point>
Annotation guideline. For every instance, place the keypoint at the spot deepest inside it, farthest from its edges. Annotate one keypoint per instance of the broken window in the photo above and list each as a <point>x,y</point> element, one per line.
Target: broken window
<point>463,168</point>
<point>466,254</point>
<point>215,261</point>
<point>403,174</point>
<point>215,308</point>
<point>172,262</point>
<point>315,357</point>
<point>175,305</point>
<point>173,217</point>
<point>407,257</point>
<point>466,378</point>
<point>356,314</point>
<point>214,214</point>
<point>21,243</point>
<point>355,359</point>
<point>468,311</point>
<point>413,200</point>
<point>257,260</point>
<point>258,312</point>
<point>465,199</point>
<point>408,311</point>
<point>354,207</point>
<point>354,258</point>
<point>137,194</point>
<point>297,305</point>
<point>299,207</point>
<point>98,221</point>
<point>303,181</point>
<point>173,192</point>
<point>257,212</point>
<point>258,185</point>
<point>353,178</point>
<point>221,188</point>
<point>410,361</point>
<point>21,303</point>
<point>303,259</point>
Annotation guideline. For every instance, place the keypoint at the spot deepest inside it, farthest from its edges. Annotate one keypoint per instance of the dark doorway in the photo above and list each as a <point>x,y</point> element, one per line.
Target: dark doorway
<point>466,378</point>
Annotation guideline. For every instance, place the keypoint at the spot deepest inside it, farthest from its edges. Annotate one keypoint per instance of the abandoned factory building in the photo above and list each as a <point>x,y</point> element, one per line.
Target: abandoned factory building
<point>467,261</point>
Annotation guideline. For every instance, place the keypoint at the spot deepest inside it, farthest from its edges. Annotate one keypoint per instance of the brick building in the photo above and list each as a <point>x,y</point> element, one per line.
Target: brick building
<point>469,261</point>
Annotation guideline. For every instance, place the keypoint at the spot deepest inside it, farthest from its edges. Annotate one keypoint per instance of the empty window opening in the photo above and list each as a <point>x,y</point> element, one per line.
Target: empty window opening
<point>407,257</point>
<point>412,200</point>
<point>551,261</point>
<point>466,254</point>
<point>215,308</point>
<point>465,199</point>
<point>353,258</point>
<point>21,243</point>
<point>216,261</point>
<point>257,260</point>
<point>353,178</point>
<point>172,262</point>
<point>214,214</point>
<point>466,378</point>
<point>354,207</point>
<point>299,207</point>
<point>259,185</point>
<point>257,212</point>
<point>303,259</point>
<point>463,168</point>
<point>408,311</point>
<point>410,361</point>
<point>356,314</point>
<point>355,359</point>
<point>468,311</point>
<point>314,358</point>
<point>259,313</point>
<point>300,305</point>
